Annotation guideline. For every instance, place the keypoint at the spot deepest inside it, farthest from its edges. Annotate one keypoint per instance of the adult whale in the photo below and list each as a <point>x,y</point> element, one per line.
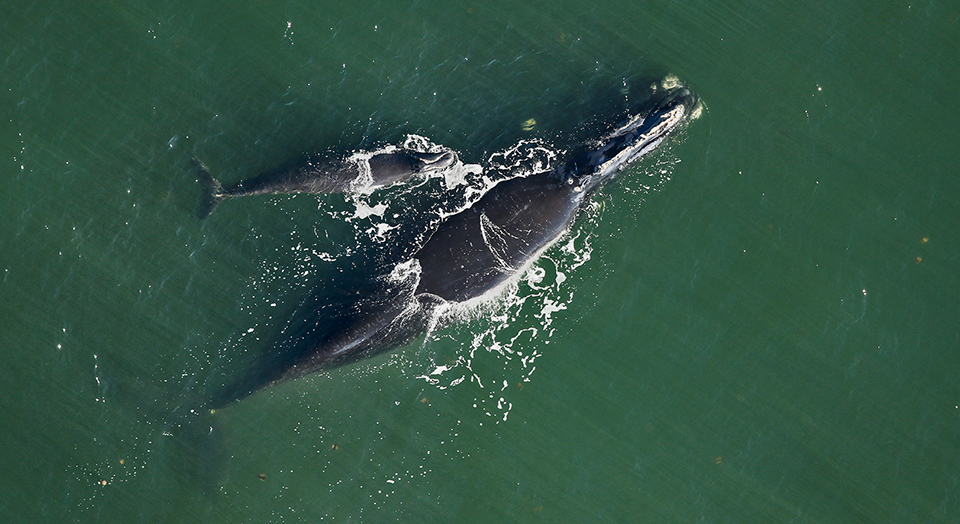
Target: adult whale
<point>319,174</point>
<point>469,254</point>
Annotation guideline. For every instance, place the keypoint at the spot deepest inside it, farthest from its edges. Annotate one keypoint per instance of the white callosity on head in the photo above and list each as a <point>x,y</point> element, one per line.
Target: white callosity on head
<point>648,142</point>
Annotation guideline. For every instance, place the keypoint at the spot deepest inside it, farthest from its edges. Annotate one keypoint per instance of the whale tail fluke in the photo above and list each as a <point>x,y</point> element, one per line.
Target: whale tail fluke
<point>198,449</point>
<point>187,436</point>
<point>212,190</point>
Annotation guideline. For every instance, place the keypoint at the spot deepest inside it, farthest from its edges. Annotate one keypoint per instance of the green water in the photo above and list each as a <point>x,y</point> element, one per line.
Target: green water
<point>771,336</point>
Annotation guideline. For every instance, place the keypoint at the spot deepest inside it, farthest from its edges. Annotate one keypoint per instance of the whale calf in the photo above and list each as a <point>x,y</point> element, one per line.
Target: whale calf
<point>319,174</point>
<point>467,255</point>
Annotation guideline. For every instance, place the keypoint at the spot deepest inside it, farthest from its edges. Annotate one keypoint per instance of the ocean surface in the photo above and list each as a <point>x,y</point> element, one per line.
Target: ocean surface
<point>758,323</point>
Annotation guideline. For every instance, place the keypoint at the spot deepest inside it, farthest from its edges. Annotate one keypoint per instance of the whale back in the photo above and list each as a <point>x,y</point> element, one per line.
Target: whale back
<point>480,247</point>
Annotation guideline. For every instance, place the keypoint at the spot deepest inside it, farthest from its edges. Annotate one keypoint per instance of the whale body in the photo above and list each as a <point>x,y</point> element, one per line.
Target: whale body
<point>469,254</point>
<point>319,174</point>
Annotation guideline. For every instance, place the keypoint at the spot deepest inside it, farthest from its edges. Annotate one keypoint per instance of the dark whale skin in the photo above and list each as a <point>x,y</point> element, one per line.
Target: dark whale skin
<point>469,254</point>
<point>319,174</point>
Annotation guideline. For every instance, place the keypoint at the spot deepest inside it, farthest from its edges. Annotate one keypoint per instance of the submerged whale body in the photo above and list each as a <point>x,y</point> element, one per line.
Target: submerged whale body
<point>318,174</point>
<point>467,255</point>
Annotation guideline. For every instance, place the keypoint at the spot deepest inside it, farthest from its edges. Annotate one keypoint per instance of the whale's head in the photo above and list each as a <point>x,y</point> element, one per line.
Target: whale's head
<point>425,162</point>
<point>639,135</point>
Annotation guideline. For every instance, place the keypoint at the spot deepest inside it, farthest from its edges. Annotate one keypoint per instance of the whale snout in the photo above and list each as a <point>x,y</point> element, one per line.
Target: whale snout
<point>669,110</point>
<point>679,97</point>
<point>433,161</point>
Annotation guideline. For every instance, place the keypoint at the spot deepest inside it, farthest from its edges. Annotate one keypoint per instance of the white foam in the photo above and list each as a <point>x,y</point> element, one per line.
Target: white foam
<point>516,320</point>
<point>456,175</point>
<point>365,210</point>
